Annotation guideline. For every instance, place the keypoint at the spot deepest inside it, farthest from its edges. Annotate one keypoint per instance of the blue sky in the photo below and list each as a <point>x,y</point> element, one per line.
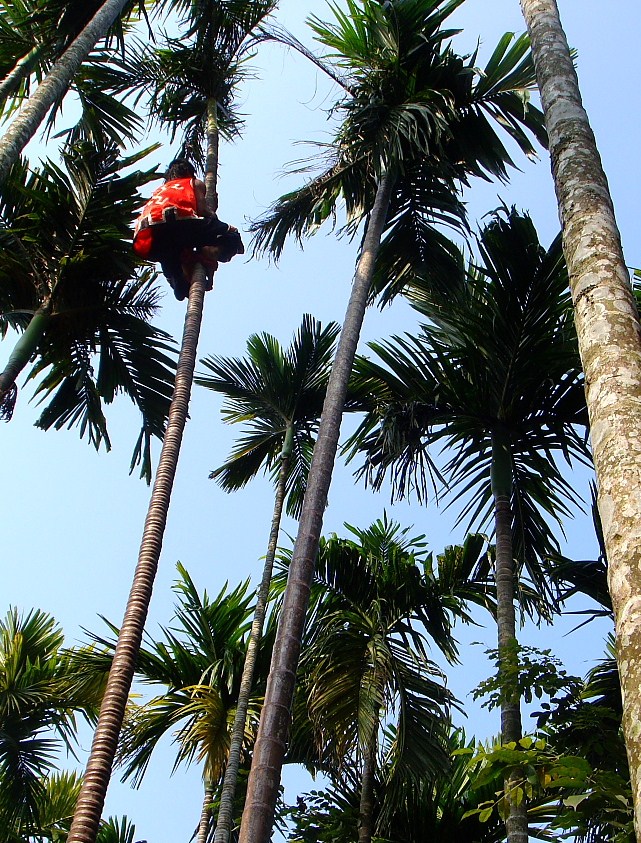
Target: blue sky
<point>72,519</point>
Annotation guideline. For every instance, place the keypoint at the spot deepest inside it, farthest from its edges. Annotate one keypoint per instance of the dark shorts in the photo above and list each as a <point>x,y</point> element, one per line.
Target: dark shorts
<point>170,238</point>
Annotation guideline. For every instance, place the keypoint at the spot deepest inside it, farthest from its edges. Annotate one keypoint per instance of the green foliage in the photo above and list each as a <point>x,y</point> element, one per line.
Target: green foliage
<point>40,696</point>
<point>416,110</point>
<point>365,661</point>
<point>65,241</point>
<point>205,64</point>
<point>276,394</point>
<point>528,671</point>
<point>499,353</point>
<point>197,667</point>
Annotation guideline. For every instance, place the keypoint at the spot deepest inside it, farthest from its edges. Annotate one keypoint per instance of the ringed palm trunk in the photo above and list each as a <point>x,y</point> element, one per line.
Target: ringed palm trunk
<point>366,808</point>
<point>26,123</point>
<point>516,822</point>
<point>264,777</point>
<point>84,827</point>
<point>609,343</point>
<point>225,813</point>
<point>205,816</point>
<point>23,351</point>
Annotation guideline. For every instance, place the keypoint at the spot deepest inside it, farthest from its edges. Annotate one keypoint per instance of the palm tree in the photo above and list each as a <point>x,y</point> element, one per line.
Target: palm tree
<point>418,124</point>
<point>280,395</point>
<point>609,341</point>
<point>40,696</point>
<point>68,285</point>
<point>495,376</point>
<point>366,656</point>
<point>220,30</point>
<point>56,83</point>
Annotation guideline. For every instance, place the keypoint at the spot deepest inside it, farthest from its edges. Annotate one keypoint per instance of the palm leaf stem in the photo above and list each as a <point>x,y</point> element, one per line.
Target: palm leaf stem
<point>225,814</point>
<point>23,351</point>
<point>205,816</point>
<point>516,822</point>
<point>21,70</point>
<point>275,719</point>
<point>55,84</point>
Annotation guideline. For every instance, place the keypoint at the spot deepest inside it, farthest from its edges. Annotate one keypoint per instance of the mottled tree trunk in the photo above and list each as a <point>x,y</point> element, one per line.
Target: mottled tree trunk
<point>225,814</point>
<point>33,112</point>
<point>609,343</point>
<point>264,777</point>
<point>516,822</point>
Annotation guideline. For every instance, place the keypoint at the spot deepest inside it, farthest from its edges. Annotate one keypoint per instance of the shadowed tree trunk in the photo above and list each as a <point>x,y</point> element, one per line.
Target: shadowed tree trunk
<point>264,778</point>
<point>609,342</point>
<point>225,814</point>
<point>33,112</point>
<point>516,822</point>
<point>366,808</point>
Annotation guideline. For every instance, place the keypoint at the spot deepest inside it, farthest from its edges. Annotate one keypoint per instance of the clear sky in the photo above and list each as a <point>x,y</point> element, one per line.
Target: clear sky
<point>72,519</point>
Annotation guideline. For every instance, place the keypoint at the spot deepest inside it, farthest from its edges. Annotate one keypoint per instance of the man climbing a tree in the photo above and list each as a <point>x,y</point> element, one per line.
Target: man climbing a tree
<point>177,229</point>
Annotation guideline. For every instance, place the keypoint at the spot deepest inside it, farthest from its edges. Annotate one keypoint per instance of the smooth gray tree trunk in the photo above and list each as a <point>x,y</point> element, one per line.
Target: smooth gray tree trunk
<point>55,84</point>
<point>609,337</point>
<point>269,752</point>
<point>516,822</point>
<point>225,814</point>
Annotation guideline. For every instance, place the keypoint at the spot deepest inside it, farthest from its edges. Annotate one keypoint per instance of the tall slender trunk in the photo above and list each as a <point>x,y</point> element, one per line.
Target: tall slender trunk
<point>609,343</point>
<point>26,123</point>
<point>516,822</point>
<point>225,814</point>
<point>84,827</point>
<point>205,815</point>
<point>264,777</point>
<point>366,808</point>
<point>21,71</point>
<point>22,353</point>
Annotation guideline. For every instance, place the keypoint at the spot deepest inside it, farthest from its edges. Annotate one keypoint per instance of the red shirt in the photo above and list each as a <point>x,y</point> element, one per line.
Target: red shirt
<point>177,194</point>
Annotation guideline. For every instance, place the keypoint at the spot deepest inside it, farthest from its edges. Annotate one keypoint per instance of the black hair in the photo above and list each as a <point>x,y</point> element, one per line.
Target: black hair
<point>180,168</point>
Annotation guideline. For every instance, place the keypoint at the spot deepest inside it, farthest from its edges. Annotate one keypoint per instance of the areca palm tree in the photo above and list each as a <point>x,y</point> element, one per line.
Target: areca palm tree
<point>418,124</point>
<point>220,30</point>
<point>366,658</point>
<point>279,395</point>
<point>609,341</point>
<point>69,286</point>
<point>496,377</point>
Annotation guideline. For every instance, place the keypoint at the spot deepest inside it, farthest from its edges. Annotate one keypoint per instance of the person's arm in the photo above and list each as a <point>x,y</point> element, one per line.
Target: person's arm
<point>201,201</point>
